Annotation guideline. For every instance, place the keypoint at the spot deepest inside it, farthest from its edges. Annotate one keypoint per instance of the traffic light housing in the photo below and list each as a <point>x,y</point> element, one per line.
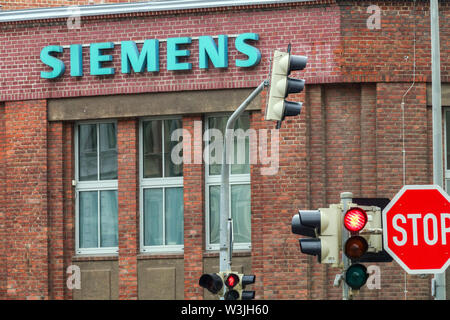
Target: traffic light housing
<point>229,285</point>
<point>323,226</point>
<point>365,242</point>
<point>235,284</point>
<point>281,86</point>
<point>355,220</point>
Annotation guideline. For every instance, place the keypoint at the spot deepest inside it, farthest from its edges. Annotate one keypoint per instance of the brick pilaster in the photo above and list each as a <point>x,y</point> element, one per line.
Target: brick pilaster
<point>127,144</point>
<point>26,200</point>
<point>193,186</point>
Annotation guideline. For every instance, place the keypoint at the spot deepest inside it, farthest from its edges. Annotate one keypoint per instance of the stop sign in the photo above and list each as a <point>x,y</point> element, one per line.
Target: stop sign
<point>416,229</point>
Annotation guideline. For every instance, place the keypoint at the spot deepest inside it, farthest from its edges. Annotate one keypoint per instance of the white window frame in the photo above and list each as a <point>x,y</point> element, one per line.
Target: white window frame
<point>99,185</point>
<point>214,180</point>
<point>156,183</point>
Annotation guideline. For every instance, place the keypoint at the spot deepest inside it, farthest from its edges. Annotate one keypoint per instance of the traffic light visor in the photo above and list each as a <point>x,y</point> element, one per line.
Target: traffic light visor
<point>297,62</point>
<point>291,108</point>
<point>306,222</point>
<point>212,282</point>
<point>294,86</point>
<point>248,295</point>
<point>310,246</point>
<point>248,279</point>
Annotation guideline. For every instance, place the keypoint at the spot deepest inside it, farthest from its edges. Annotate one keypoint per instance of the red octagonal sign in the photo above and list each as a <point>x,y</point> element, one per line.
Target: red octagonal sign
<point>416,229</point>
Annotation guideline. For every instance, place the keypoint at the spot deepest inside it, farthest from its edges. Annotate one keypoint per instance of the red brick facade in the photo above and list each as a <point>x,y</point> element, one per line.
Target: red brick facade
<point>347,138</point>
<point>127,142</point>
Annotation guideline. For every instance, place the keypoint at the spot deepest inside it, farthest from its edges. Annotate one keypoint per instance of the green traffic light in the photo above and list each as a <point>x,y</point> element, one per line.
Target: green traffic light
<point>356,276</point>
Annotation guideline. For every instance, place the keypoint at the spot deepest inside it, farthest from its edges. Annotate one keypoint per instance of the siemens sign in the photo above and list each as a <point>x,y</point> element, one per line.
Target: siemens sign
<point>148,57</point>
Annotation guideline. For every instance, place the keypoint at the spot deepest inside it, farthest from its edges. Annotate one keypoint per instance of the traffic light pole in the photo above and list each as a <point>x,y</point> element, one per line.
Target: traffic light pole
<point>439,278</point>
<point>346,199</point>
<point>226,223</point>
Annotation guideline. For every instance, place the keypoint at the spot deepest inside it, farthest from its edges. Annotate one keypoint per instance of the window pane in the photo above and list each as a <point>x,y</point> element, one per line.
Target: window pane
<point>87,152</point>
<point>241,163</point>
<point>152,141</point>
<point>214,214</point>
<point>108,219</point>
<point>153,214</point>
<point>108,151</point>
<point>240,212</point>
<point>88,219</point>
<point>174,216</point>
<point>171,169</point>
<point>241,160</point>
<point>220,124</point>
<point>447,133</point>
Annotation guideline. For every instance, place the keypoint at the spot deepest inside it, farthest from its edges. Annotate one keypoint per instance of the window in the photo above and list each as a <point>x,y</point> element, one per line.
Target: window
<point>239,185</point>
<point>96,188</point>
<point>161,187</point>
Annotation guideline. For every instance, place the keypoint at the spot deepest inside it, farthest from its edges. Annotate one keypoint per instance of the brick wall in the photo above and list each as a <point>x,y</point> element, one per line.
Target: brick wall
<point>193,193</point>
<point>55,188</point>
<point>68,202</point>
<point>3,234</point>
<point>127,162</point>
<point>21,69</point>
<point>26,200</point>
<point>386,54</point>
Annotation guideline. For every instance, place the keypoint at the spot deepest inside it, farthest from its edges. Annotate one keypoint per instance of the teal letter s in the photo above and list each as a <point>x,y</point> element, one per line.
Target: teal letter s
<point>53,62</point>
<point>254,55</point>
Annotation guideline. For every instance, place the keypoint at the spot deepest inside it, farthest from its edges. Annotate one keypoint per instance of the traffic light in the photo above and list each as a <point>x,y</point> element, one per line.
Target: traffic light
<point>323,226</point>
<point>235,284</point>
<point>355,219</point>
<point>281,86</point>
<point>365,242</point>
<point>229,285</point>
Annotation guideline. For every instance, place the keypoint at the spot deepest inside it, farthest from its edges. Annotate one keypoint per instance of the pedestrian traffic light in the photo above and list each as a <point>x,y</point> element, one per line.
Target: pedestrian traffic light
<point>235,284</point>
<point>324,228</point>
<point>281,86</point>
<point>232,283</point>
<point>229,285</point>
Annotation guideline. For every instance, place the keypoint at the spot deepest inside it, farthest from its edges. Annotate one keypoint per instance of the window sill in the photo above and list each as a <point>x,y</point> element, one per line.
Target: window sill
<point>160,255</point>
<point>94,257</point>
<point>236,253</point>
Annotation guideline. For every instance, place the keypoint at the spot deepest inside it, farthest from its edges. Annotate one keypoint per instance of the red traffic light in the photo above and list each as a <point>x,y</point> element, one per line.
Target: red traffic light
<point>232,280</point>
<point>355,219</point>
<point>355,247</point>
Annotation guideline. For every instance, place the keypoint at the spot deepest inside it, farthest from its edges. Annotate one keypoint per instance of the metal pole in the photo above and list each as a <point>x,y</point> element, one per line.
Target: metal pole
<point>226,240</point>
<point>346,199</point>
<point>437,120</point>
